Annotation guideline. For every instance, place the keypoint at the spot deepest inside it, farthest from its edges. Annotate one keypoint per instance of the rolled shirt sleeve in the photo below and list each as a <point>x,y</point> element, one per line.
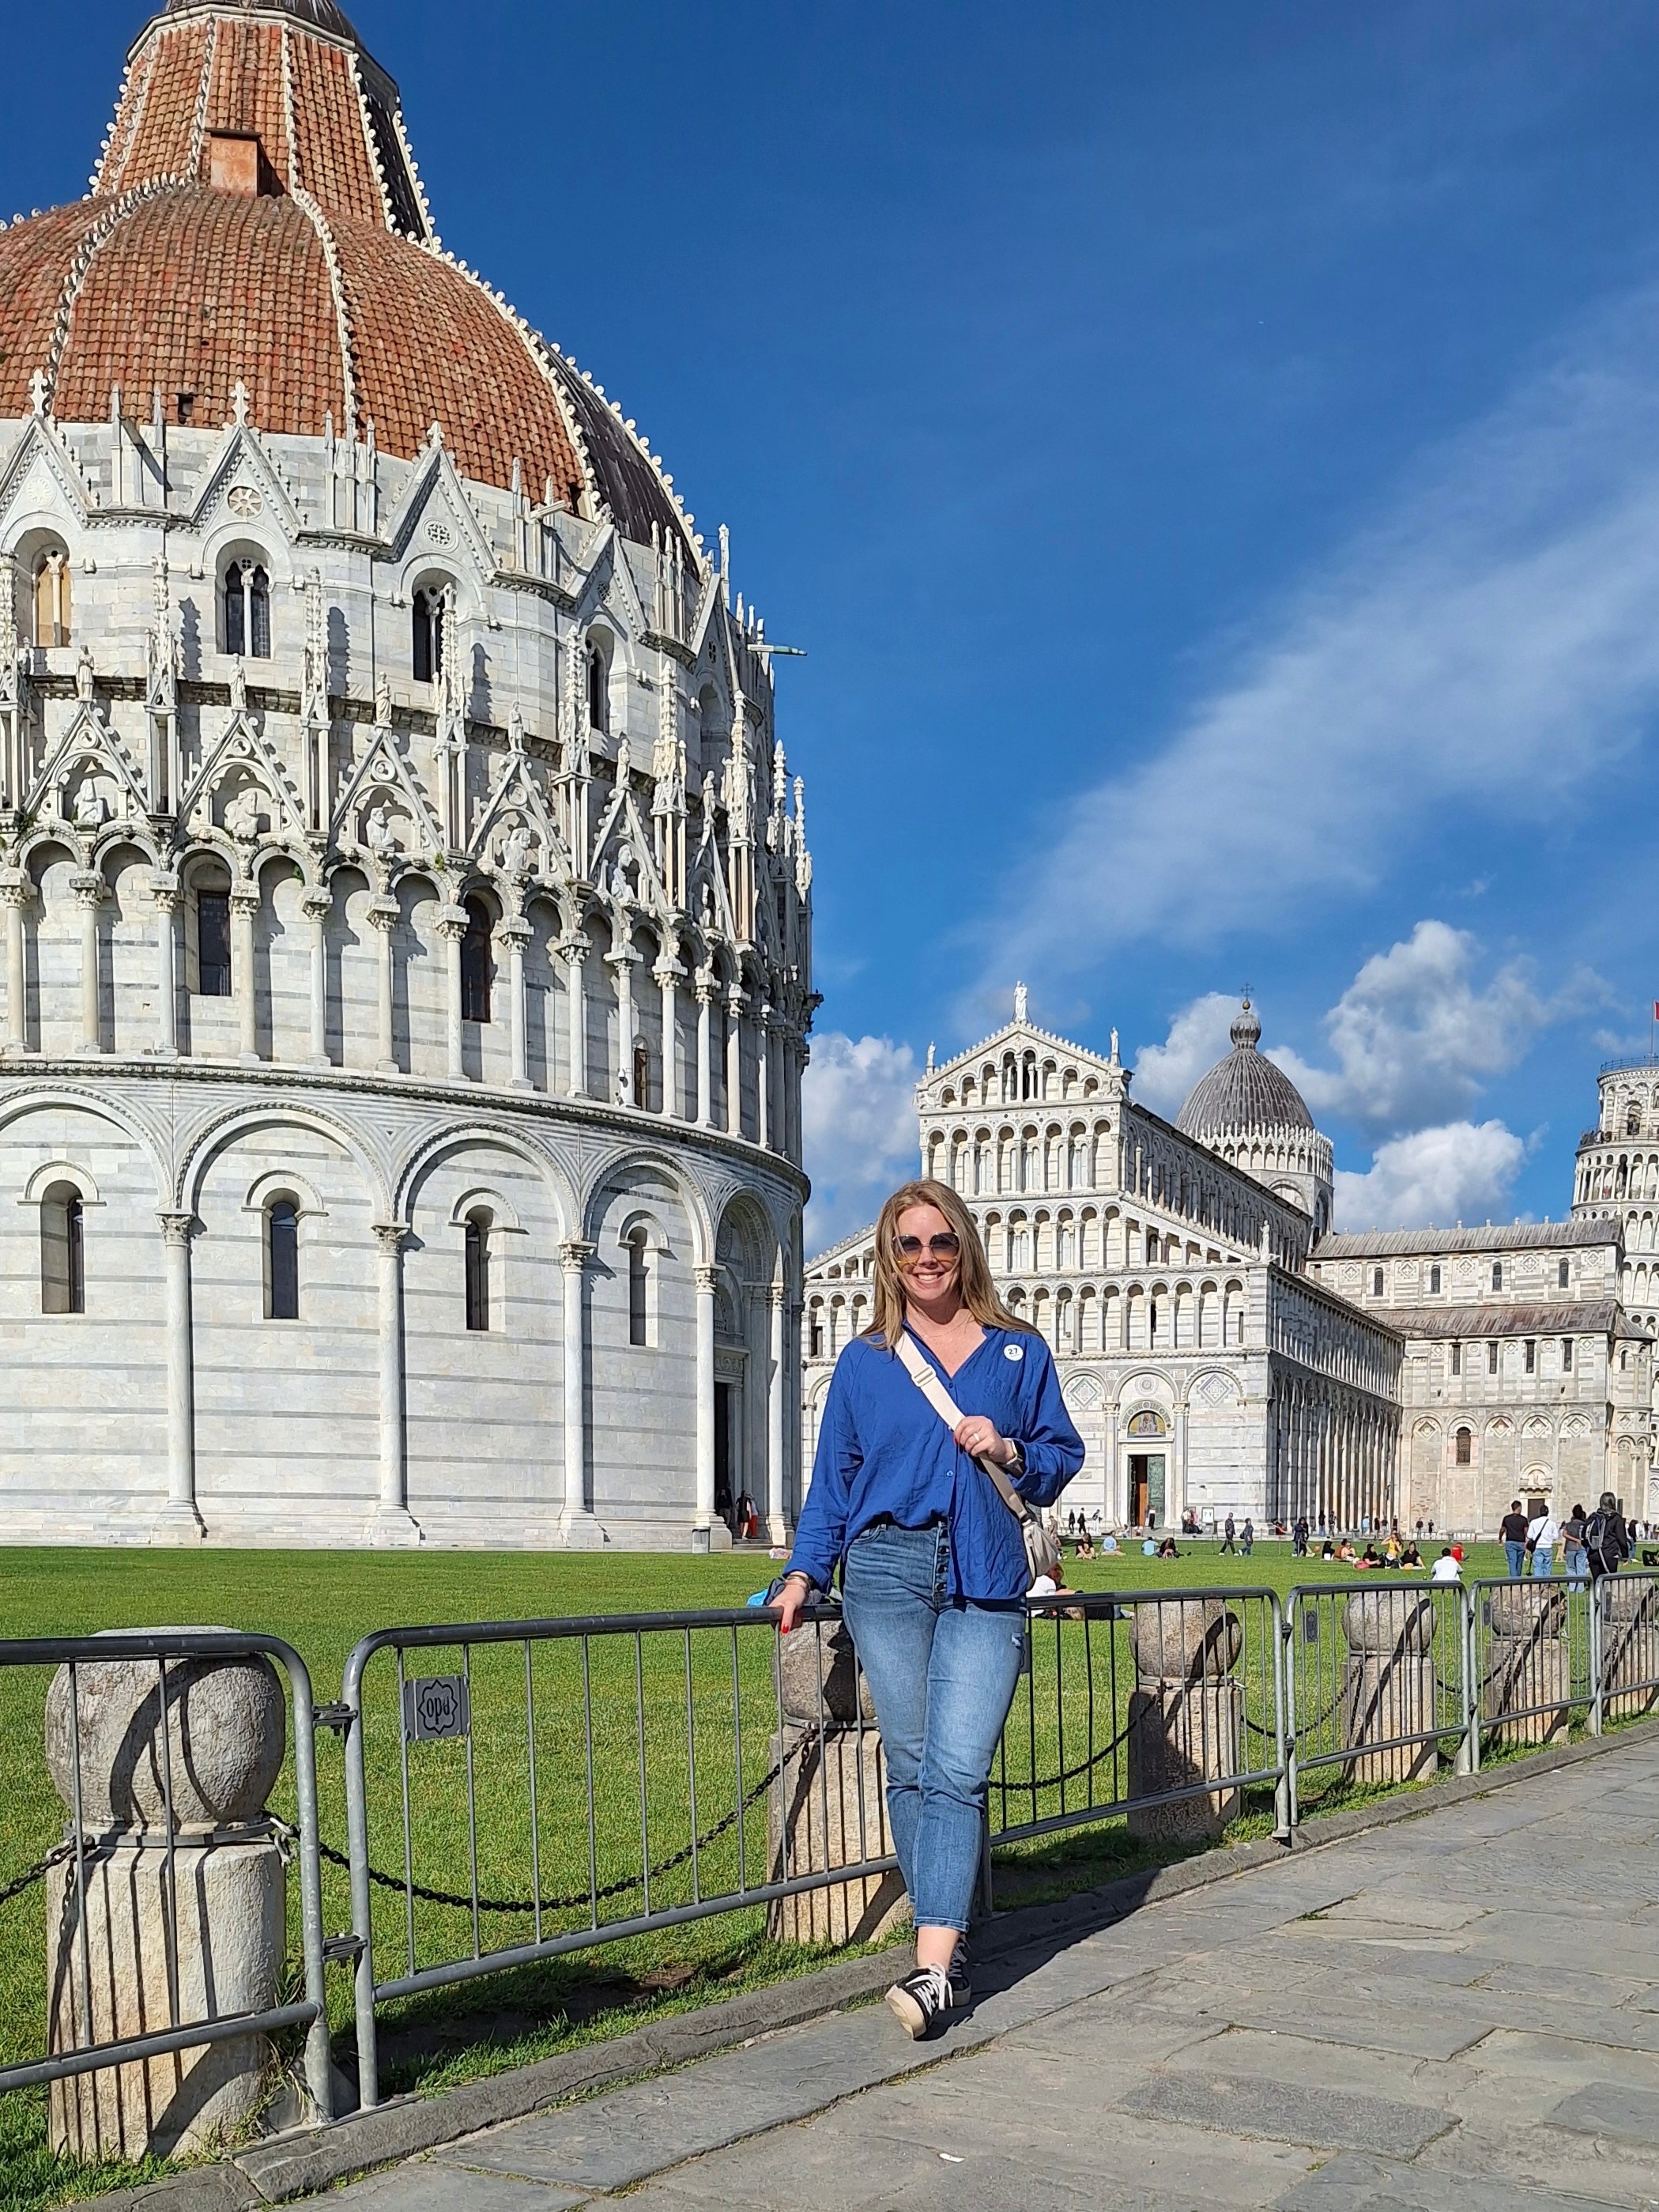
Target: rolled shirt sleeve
<point>821,1532</point>
<point>1047,1436</point>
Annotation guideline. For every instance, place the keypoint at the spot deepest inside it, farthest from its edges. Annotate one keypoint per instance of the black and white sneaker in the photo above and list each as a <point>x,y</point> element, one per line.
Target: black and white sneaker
<point>923,2001</point>
<point>962,1977</point>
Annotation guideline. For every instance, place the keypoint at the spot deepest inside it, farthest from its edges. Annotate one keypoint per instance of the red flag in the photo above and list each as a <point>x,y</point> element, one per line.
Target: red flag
<point>1655,1010</point>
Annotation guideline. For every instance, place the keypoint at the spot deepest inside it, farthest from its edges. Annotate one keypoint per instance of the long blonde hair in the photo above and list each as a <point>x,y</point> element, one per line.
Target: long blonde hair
<point>978,1292</point>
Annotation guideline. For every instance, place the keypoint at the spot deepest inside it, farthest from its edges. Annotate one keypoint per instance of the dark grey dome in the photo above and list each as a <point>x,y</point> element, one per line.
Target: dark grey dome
<point>321,14</point>
<point>1244,1091</point>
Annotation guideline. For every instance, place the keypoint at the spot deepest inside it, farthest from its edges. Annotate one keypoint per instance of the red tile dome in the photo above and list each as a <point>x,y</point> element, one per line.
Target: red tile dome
<point>257,218</point>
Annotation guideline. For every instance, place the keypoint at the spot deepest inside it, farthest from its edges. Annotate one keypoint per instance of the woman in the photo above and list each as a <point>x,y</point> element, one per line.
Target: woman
<point>933,1564</point>
<point>1607,1540</point>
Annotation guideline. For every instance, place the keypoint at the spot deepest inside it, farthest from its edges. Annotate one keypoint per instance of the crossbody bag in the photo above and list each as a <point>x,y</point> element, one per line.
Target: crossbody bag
<point>1042,1551</point>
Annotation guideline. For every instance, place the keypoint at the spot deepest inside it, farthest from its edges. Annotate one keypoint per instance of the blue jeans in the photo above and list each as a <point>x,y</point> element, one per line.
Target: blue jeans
<point>1577,1563</point>
<point>1517,1553</point>
<point>942,1673</point>
<point>1543,1559</point>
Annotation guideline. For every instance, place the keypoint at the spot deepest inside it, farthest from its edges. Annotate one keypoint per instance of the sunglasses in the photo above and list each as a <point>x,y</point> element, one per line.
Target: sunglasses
<point>943,1247</point>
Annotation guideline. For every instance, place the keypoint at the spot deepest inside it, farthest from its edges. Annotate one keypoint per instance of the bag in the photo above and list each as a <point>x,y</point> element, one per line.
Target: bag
<point>1596,1532</point>
<point>1042,1551</point>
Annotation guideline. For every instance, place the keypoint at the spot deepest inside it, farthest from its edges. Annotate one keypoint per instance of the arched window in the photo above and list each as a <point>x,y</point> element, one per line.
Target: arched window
<point>642,1078</point>
<point>426,658</point>
<point>63,1253</point>
<point>639,1289</point>
<point>1498,1274</point>
<point>478,1225</point>
<point>1434,1278</point>
<point>213,970</point>
<point>247,611</point>
<point>50,606</point>
<point>282,1259</point>
<point>1376,1282</point>
<point>476,963</point>
<point>599,687</point>
<point>1632,1120</point>
<point>1563,1275</point>
<point>815,1333</point>
<point>1456,1357</point>
<point>1463,1447</point>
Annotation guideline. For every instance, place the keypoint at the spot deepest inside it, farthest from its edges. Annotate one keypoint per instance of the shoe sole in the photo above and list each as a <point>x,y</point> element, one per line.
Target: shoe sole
<point>909,2013</point>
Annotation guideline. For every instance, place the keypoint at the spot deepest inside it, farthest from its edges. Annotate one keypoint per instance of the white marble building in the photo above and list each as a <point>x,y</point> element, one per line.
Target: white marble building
<point>407,909</point>
<point>1204,1365</point>
<point>1221,1349</point>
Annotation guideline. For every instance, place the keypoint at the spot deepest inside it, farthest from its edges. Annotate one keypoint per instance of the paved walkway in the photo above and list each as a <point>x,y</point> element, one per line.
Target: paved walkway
<point>1459,2014</point>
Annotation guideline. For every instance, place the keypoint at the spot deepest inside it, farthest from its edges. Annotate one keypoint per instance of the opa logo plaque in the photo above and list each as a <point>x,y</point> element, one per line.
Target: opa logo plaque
<point>436,1707</point>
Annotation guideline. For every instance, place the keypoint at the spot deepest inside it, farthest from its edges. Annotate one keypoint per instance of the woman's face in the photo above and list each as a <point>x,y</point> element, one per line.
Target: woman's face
<point>927,1267</point>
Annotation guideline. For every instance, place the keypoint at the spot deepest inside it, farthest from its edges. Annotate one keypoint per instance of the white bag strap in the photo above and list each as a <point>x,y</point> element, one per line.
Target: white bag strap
<point>928,1379</point>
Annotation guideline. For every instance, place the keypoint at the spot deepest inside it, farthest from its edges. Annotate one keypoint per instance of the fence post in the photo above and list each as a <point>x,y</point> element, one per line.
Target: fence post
<point>1283,1814</point>
<point>1470,1757</point>
<point>319,2073</point>
<point>351,1693</point>
<point>1597,1658</point>
<point>1292,1621</point>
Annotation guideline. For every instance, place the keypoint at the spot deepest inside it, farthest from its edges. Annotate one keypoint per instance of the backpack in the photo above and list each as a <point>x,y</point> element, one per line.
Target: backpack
<point>1597,1530</point>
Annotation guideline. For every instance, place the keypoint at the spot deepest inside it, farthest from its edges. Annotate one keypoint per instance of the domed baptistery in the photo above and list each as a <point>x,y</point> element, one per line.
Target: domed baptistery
<point>407,908</point>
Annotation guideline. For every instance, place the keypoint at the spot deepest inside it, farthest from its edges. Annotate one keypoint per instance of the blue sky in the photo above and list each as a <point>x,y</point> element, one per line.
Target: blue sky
<point>1210,456</point>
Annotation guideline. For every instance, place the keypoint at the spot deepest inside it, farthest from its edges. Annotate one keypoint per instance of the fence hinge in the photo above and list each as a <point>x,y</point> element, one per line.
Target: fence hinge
<point>337,1949</point>
<point>333,1717</point>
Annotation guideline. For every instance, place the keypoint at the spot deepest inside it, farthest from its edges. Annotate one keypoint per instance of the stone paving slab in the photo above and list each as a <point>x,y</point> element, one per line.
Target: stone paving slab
<point>1286,2112</point>
<point>1352,2183</point>
<point>424,2186</point>
<point>1611,2108</point>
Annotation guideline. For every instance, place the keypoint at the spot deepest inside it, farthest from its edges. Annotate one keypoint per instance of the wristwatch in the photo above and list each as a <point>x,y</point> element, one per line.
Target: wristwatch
<point>1016,1464</point>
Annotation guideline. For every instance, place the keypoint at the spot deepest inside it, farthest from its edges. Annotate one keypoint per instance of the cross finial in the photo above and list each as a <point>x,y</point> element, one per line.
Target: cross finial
<point>239,402</point>
<point>39,391</point>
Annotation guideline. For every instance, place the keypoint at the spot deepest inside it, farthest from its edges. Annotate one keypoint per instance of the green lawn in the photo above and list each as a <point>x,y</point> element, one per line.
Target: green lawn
<point>635,1698</point>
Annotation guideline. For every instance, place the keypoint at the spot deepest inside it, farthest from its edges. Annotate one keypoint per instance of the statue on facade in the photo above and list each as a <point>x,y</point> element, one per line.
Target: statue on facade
<point>83,676</point>
<point>238,687</point>
<point>383,702</point>
<point>243,814</point>
<point>379,836</point>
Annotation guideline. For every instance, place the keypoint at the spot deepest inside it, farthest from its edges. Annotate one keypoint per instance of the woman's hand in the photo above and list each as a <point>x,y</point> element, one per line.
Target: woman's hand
<point>979,1435</point>
<point>790,1598</point>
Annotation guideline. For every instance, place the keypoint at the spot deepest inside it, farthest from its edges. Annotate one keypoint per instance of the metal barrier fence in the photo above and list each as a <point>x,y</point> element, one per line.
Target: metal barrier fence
<point>139,1804</point>
<point>1378,1683</point>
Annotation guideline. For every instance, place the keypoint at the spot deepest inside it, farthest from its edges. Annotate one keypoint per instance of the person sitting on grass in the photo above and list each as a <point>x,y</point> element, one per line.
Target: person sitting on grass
<point>1085,1549</point>
<point>1327,1550</point>
<point>1167,1550</point>
<point>1347,1553</point>
<point>1411,1557</point>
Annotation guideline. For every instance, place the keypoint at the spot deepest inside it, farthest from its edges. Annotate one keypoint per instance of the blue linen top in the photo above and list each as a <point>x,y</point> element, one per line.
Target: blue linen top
<point>883,1451</point>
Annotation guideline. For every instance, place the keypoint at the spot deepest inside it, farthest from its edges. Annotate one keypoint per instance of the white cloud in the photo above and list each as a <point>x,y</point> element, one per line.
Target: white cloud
<point>1415,1040</point>
<point>1477,654</point>
<point>1461,1171</point>
<point>1164,1073</point>
<point>859,1128</point>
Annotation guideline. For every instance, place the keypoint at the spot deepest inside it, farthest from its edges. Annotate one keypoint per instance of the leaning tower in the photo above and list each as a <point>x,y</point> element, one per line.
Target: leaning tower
<point>1618,1178</point>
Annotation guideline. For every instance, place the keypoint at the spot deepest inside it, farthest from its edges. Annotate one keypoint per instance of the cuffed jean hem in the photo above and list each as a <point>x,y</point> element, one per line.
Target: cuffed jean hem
<point>942,1671</point>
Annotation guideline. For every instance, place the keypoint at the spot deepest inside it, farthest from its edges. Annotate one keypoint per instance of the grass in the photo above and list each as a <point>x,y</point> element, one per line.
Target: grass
<point>639,1697</point>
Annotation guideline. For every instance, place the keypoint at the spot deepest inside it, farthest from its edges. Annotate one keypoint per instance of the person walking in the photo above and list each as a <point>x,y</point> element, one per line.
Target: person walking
<point>1250,1536</point>
<point>932,1562</point>
<point>1512,1528</point>
<point>1607,1540</point>
<point>1543,1535</point>
<point>1299,1544</point>
<point>1572,1546</point>
<point>1229,1531</point>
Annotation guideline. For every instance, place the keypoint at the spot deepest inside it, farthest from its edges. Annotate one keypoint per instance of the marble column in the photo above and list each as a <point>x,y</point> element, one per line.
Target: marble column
<point>16,895</point>
<point>622,964</point>
<point>576,1522</point>
<point>165,890</point>
<point>763,1078</point>
<point>704,1515</point>
<point>244,906</point>
<point>515,935</point>
<point>735,1002</point>
<point>88,888</point>
<point>777,1520</point>
<point>317,906</point>
<point>667,976</point>
<point>575,952</point>
<point>704,989</point>
<point>393,1524</point>
<point>180,1522</point>
<point>451,923</point>
<point>384,915</point>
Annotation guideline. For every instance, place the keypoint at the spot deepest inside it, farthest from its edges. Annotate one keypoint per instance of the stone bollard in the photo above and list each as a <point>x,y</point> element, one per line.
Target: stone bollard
<point>1630,1644</point>
<point>826,1776</point>
<point>226,1735</point>
<point>1387,1685</point>
<point>1529,1662</point>
<point>1186,1716</point>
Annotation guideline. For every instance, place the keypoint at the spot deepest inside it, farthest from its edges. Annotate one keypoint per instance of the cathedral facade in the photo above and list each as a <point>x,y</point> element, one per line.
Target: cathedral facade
<point>1222,1349</point>
<point>407,907</point>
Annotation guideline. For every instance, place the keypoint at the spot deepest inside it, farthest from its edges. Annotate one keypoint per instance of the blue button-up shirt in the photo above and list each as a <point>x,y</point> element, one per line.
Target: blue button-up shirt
<point>883,1453</point>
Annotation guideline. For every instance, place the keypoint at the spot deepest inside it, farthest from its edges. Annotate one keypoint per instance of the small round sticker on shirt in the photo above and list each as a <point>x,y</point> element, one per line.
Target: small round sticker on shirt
<point>1013,1351</point>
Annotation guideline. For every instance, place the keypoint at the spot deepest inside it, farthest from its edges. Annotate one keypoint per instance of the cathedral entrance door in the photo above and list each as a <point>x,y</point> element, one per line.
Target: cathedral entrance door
<point>1146,1487</point>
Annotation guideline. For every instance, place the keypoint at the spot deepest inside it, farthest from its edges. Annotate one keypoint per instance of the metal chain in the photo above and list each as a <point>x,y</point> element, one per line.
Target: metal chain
<point>39,1871</point>
<point>583,1897</point>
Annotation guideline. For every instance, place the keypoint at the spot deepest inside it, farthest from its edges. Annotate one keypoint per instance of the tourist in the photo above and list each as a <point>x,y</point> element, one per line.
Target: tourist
<point>934,1569</point>
<point>1411,1557</point>
<point>1607,1540</point>
<point>1108,1544</point>
<point>1512,1532</point>
<point>1574,1556</point>
<point>1167,1550</point>
<point>1447,1568</point>
<point>1085,1549</point>
<point>1418,1532</point>
<point>1299,1543</point>
<point>1430,1532</point>
<point>1543,1535</point>
<point>1250,1536</point>
<point>1227,1531</point>
<point>1327,1550</point>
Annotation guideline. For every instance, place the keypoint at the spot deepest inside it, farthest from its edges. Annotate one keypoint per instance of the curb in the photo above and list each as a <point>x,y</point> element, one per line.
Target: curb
<point>306,2161</point>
